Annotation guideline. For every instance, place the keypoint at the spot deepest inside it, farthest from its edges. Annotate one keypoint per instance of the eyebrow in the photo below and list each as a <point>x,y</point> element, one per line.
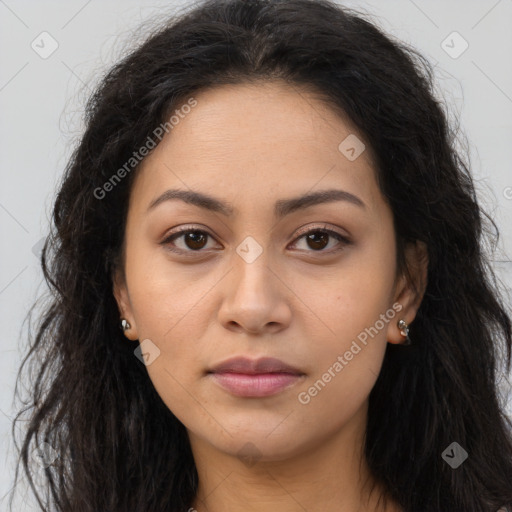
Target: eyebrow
<point>282,207</point>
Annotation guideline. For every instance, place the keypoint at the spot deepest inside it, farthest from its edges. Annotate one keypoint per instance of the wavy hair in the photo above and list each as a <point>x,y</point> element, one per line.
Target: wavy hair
<point>119,447</point>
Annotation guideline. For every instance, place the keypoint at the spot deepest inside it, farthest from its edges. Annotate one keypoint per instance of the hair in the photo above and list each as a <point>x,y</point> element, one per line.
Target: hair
<point>119,447</point>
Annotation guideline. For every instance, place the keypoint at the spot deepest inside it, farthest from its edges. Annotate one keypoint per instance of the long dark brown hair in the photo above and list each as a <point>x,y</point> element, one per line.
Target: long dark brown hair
<point>119,447</point>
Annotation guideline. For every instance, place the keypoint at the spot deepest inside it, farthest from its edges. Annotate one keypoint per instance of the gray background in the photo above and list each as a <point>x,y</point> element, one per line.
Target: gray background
<point>41,101</point>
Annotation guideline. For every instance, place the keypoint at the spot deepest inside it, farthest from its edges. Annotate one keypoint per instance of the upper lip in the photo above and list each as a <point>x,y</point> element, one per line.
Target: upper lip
<point>254,366</point>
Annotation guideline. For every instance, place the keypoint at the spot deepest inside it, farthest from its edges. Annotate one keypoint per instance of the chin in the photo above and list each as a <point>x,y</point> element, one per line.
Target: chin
<point>262,444</point>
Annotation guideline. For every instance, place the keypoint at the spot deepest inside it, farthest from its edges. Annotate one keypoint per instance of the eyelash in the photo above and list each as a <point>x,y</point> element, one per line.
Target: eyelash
<point>187,229</point>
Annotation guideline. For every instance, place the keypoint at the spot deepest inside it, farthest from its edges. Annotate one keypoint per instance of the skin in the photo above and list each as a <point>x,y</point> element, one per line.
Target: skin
<point>250,145</point>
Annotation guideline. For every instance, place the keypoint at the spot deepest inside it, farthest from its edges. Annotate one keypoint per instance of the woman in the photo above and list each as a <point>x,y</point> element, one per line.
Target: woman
<point>268,201</point>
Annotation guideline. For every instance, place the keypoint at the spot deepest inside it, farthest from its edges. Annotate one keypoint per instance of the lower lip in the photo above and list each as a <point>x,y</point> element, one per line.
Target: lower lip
<point>258,385</point>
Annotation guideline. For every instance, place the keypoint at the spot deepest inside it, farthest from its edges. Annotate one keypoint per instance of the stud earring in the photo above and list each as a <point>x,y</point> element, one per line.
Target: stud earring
<point>125,325</point>
<point>404,331</point>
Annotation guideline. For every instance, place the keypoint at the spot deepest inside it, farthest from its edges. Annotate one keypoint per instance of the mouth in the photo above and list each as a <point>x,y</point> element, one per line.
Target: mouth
<point>263,377</point>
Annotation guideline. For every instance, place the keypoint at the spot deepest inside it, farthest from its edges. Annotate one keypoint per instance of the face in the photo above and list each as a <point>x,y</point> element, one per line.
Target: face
<point>311,283</point>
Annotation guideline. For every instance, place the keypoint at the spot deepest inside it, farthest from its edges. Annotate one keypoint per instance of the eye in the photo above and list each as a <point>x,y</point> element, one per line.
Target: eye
<point>318,239</point>
<point>194,240</point>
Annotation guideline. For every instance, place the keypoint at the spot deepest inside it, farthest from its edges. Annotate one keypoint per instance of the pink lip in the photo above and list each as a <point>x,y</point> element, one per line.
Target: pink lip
<point>255,366</point>
<point>246,377</point>
<point>255,385</point>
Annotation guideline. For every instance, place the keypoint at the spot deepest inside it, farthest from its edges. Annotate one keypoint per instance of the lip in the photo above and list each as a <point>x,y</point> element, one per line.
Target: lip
<point>255,385</point>
<point>255,377</point>
<point>255,366</point>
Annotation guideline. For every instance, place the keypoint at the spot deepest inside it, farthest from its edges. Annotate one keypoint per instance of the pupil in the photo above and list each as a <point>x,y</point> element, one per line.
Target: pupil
<point>312,236</point>
<point>191,237</point>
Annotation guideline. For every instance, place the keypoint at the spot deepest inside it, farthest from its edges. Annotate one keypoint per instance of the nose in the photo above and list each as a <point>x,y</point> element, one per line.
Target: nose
<point>255,298</point>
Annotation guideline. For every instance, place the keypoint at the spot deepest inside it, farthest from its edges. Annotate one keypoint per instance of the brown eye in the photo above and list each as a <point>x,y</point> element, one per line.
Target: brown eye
<point>193,240</point>
<point>318,240</point>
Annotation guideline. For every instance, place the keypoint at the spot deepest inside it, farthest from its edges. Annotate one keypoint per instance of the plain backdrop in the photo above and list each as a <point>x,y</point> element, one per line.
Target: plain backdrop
<point>52,54</point>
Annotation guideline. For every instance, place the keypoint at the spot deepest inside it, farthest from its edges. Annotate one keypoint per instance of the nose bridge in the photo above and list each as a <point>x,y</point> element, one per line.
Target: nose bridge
<point>253,296</point>
<point>252,265</point>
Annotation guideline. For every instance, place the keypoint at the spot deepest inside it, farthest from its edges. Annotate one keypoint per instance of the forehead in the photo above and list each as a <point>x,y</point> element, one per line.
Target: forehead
<point>254,141</point>
<point>242,116</point>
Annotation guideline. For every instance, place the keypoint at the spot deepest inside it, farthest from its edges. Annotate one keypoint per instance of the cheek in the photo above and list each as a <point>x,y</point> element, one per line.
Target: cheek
<point>348,299</point>
<point>175,320</point>
<point>176,323</point>
<point>347,363</point>
<point>171,309</point>
<point>352,316</point>
<point>165,295</point>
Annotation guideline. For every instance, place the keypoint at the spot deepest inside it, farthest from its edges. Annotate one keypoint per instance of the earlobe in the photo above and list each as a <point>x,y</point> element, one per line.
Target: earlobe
<point>398,333</point>
<point>410,291</point>
<point>120,291</point>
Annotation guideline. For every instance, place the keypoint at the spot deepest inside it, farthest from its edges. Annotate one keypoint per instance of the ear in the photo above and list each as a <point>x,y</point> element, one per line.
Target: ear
<point>410,289</point>
<point>121,295</point>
